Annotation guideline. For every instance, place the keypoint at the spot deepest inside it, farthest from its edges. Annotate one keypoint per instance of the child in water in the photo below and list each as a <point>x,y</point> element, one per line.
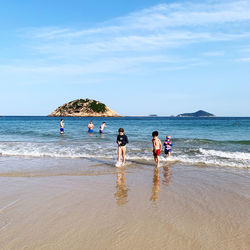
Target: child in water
<point>168,145</point>
<point>102,127</point>
<point>61,127</point>
<point>156,147</point>
<point>121,140</point>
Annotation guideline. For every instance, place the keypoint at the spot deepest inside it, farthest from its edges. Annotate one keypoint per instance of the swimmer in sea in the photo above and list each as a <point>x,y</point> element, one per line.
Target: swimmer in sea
<point>61,127</point>
<point>102,127</point>
<point>91,127</point>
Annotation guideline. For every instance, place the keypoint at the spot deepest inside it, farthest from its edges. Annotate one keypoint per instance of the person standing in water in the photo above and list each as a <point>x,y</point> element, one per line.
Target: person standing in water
<point>121,140</point>
<point>156,147</point>
<point>168,145</point>
<point>61,127</point>
<point>102,127</point>
<point>91,127</point>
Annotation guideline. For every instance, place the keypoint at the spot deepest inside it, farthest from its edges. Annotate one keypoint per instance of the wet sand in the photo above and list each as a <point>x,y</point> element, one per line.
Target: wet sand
<point>81,204</point>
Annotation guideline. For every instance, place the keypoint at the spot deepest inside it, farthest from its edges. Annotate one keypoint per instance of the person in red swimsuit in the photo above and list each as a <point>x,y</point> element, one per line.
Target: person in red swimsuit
<point>156,147</point>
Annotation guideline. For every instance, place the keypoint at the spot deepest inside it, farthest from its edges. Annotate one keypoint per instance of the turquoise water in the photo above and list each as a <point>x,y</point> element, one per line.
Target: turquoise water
<point>222,142</point>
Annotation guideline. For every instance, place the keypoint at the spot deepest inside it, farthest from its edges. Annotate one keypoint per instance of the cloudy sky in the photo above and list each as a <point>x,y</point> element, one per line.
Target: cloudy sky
<point>162,57</point>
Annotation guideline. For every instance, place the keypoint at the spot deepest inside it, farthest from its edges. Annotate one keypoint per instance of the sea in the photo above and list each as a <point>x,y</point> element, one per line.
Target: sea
<point>222,142</point>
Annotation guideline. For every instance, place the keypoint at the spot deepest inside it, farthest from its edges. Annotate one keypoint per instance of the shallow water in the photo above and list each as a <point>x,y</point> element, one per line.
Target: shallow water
<point>221,142</point>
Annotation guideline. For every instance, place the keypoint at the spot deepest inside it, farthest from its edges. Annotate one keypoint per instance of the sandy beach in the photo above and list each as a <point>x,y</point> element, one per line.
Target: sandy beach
<point>94,94</point>
<point>83,204</point>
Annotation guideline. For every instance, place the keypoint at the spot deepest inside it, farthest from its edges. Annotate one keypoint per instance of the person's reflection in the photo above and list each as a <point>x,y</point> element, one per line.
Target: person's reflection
<point>90,134</point>
<point>156,181</point>
<point>166,175</point>
<point>121,193</point>
<point>62,138</point>
<point>156,185</point>
<point>102,135</point>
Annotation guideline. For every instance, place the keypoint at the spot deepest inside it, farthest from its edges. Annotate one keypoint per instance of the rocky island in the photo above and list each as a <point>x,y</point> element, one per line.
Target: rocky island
<point>199,113</point>
<point>84,107</point>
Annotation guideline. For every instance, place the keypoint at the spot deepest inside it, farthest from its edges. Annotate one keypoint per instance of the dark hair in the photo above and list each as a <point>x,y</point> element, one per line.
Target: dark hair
<point>120,130</point>
<point>155,133</point>
<point>61,119</point>
<point>104,122</point>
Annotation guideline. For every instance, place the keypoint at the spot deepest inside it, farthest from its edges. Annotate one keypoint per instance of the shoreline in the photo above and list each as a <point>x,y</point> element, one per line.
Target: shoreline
<point>75,204</point>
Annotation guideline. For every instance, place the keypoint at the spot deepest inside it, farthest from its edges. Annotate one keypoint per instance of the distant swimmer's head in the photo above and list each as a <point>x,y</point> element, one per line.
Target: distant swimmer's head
<point>155,133</point>
<point>104,123</point>
<point>168,137</point>
<point>120,130</point>
<point>61,120</point>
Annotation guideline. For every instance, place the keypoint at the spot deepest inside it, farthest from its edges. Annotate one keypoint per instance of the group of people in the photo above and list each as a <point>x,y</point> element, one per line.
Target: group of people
<point>90,127</point>
<point>122,141</point>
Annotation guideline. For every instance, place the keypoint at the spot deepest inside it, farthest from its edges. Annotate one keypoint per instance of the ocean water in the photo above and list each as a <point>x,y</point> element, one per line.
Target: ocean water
<point>219,141</point>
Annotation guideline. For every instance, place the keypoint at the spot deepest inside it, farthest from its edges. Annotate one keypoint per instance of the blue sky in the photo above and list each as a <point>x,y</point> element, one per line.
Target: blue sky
<point>161,57</point>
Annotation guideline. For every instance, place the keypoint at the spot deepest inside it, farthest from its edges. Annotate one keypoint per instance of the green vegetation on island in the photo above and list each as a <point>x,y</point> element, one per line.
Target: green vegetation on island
<point>83,107</point>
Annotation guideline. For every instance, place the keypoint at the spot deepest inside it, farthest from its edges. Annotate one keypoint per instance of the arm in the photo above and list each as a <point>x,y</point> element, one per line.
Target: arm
<point>154,144</point>
<point>126,139</point>
<point>117,140</point>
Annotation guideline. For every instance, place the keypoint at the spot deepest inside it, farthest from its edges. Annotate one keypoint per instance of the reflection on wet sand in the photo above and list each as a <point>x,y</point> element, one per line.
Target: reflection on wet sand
<point>156,185</point>
<point>156,181</point>
<point>166,175</point>
<point>121,193</point>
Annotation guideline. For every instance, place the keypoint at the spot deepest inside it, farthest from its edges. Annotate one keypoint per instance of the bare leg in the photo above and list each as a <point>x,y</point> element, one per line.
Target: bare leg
<point>158,160</point>
<point>123,154</point>
<point>119,154</point>
<point>155,158</point>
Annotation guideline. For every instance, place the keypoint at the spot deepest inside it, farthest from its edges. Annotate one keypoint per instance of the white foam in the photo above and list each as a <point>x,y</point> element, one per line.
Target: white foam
<point>226,154</point>
<point>211,162</point>
<point>109,151</point>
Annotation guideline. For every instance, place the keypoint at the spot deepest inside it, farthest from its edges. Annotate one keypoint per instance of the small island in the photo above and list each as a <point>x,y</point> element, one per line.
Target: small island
<point>84,107</point>
<point>199,113</point>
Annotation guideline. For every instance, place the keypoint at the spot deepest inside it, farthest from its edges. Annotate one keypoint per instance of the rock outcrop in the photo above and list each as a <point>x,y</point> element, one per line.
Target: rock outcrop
<point>84,107</point>
<point>199,113</point>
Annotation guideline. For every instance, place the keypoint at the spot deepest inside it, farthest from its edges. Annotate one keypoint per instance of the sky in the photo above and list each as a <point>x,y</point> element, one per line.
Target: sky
<point>137,57</point>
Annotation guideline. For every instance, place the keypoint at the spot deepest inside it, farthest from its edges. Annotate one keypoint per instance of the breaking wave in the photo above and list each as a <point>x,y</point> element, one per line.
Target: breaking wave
<point>194,156</point>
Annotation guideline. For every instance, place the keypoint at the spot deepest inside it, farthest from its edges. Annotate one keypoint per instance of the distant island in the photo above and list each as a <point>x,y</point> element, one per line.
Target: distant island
<point>84,107</point>
<point>199,113</point>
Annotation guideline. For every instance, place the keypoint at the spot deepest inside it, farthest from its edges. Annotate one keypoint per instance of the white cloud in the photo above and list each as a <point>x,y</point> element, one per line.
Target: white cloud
<point>214,53</point>
<point>150,36</point>
<point>160,17</point>
<point>245,59</point>
<point>111,65</point>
